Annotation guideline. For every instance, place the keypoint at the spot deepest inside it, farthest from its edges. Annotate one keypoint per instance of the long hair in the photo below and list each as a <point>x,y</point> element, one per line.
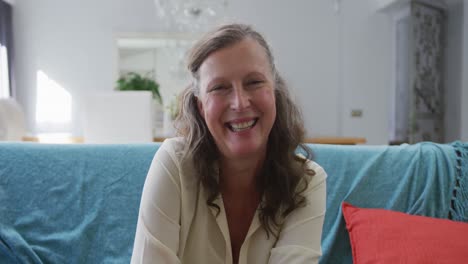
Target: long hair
<point>284,176</point>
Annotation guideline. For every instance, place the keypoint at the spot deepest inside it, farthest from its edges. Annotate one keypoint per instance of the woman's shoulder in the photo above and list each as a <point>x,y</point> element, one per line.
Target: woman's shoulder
<point>175,149</point>
<point>319,175</point>
<point>175,144</point>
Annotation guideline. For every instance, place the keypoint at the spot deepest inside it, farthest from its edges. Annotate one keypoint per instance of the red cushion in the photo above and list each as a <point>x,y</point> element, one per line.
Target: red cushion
<point>384,236</point>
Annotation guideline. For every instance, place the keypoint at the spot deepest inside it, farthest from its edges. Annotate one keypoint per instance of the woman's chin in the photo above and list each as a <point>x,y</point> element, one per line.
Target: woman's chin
<point>245,150</point>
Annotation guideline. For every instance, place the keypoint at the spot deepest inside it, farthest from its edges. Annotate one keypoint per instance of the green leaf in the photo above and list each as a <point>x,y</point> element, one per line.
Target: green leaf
<point>133,81</point>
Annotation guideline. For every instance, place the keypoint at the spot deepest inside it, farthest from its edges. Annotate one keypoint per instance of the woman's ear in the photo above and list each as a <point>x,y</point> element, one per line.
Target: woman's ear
<point>200,107</point>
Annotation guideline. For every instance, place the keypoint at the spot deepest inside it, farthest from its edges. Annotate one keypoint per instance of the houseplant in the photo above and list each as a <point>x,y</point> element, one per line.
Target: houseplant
<point>133,81</point>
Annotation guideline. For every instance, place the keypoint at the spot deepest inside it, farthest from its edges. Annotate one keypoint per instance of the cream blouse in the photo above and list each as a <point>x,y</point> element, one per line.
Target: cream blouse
<point>175,225</point>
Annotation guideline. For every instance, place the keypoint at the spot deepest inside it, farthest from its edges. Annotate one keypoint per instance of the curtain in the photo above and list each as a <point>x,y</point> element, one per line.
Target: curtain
<point>6,40</point>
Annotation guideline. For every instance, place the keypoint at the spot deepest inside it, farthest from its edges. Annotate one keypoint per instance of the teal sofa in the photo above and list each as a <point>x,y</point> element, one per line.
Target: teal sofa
<point>79,203</point>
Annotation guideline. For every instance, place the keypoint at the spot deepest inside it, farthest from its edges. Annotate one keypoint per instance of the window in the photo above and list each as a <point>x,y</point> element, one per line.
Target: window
<point>53,105</point>
<point>5,47</point>
<point>4,75</point>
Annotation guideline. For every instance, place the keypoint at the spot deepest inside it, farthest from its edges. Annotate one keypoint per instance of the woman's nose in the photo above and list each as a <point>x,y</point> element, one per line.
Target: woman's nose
<point>240,98</point>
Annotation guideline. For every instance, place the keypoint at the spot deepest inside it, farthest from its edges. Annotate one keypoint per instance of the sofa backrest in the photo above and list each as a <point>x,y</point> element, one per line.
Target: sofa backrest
<point>79,203</point>
<point>71,203</point>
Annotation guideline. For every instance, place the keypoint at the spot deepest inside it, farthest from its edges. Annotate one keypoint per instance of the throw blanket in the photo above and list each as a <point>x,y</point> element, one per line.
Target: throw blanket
<point>79,203</point>
<point>422,179</point>
<point>70,203</point>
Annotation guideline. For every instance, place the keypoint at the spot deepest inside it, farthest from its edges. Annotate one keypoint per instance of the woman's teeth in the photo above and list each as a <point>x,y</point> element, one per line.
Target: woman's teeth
<point>241,126</point>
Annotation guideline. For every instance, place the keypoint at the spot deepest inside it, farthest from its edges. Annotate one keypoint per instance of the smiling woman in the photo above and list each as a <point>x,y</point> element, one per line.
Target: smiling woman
<point>233,180</point>
<point>237,100</point>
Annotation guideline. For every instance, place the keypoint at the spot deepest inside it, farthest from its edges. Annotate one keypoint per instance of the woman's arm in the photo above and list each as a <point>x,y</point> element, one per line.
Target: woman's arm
<point>299,240</point>
<point>157,233</point>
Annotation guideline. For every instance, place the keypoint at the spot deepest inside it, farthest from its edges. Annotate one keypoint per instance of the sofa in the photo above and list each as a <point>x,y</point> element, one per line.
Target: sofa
<point>79,203</point>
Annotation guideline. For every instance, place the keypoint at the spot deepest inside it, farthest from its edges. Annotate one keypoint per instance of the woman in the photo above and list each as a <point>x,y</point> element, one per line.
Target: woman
<point>232,189</point>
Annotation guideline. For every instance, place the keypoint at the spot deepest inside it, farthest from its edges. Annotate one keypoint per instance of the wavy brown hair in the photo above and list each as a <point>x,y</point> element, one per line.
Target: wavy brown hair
<point>285,175</point>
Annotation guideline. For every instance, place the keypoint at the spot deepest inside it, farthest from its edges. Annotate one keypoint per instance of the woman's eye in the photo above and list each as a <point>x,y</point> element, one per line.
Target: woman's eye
<point>255,82</point>
<point>217,88</point>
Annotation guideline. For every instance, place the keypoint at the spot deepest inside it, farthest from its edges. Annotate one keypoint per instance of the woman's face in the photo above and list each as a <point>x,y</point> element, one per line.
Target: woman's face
<point>237,99</point>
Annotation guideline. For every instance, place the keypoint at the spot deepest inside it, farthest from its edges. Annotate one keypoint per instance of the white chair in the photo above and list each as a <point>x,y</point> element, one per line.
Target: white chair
<point>12,120</point>
<point>118,117</point>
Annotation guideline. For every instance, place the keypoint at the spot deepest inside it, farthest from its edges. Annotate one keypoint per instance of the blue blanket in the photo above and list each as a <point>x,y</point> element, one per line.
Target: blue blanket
<point>422,179</point>
<point>70,204</point>
<point>79,203</point>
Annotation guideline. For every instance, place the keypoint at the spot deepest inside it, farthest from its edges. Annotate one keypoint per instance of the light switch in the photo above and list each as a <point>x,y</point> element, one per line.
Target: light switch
<point>356,113</point>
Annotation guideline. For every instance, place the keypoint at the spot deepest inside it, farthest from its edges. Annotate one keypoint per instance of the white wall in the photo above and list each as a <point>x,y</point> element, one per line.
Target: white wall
<point>453,70</point>
<point>334,61</point>
<point>366,66</point>
<point>464,97</point>
<point>304,39</point>
<point>72,42</point>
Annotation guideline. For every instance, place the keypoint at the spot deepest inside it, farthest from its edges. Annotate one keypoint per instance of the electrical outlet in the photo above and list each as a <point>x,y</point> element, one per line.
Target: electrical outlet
<point>356,113</point>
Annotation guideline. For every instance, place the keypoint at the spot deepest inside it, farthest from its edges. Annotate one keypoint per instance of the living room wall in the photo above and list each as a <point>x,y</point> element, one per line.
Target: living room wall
<point>72,42</point>
<point>464,71</point>
<point>336,60</point>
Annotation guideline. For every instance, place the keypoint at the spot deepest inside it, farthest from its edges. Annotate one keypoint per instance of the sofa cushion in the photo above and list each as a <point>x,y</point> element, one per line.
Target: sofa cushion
<point>385,236</point>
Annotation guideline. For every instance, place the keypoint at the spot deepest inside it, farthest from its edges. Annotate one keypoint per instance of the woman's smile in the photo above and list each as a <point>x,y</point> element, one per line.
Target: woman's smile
<point>241,125</point>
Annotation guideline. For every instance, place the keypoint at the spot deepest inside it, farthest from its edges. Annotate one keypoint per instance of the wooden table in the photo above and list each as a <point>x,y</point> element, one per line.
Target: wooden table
<point>336,140</point>
<point>314,140</point>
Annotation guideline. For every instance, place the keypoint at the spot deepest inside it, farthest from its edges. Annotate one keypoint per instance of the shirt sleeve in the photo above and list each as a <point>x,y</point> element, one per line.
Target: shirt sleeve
<point>157,232</point>
<point>300,237</point>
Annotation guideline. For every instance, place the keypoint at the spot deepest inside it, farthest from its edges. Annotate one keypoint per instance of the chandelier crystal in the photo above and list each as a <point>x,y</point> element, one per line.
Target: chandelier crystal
<point>190,15</point>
